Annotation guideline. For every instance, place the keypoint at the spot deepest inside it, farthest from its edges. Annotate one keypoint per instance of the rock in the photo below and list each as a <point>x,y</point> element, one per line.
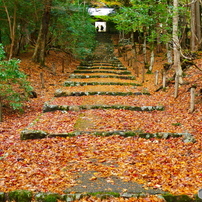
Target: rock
<point>32,134</point>
<point>43,197</point>
<point>49,108</point>
<point>187,137</point>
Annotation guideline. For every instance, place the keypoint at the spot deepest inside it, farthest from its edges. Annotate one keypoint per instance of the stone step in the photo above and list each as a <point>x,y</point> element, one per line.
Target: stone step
<point>72,76</point>
<point>72,83</point>
<point>101,67</point>
<point>60,93</point>
<point>106,65</point>
<point>102,71</point>
<point>48,107</point>
<point>38,134</point>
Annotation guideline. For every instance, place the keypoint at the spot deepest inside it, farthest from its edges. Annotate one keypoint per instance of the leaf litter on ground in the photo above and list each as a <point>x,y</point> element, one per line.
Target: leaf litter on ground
<point>52,164</point>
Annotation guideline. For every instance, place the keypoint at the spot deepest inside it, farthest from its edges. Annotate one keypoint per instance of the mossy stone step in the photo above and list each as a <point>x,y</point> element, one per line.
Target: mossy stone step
<point>72,76</point>
<point>48,108</point>
<point>100,67</point>
<point>102,63</point>
<point>112,65</point>
<point>102,71</point>
<point>60,93</point>
<point>20,196</point>
<point>26,196</point>
<point>73,83</point>
<point>38,134</point>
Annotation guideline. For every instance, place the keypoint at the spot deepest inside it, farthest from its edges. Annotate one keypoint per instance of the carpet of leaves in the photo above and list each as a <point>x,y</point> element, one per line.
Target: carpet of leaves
<point>52,164</point>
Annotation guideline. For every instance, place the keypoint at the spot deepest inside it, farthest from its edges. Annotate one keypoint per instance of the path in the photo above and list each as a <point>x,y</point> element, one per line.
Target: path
<point>98,98</point>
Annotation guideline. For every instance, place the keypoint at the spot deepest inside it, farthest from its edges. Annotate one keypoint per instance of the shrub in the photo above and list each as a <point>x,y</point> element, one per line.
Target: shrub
<point>14,88</point>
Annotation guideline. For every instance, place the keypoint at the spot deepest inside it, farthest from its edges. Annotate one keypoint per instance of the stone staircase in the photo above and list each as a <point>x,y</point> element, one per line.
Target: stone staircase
<point>99,88</point>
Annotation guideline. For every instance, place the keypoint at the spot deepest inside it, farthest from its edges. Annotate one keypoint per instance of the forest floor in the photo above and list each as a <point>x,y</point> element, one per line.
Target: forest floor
<point>56,164</point>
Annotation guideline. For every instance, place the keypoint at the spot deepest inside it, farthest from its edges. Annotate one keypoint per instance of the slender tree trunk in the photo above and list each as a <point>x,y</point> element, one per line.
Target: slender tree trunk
<point>12,27</point>
<point>198,24</point>
<point>145,47</point>
<point>176,44</point>
<point>151,58</point>
<point>192,99</point>
<point>39,53</point>
<point>169,54</point>
<point>1,116</point>
<point>158,38</point>
<point>156,77</point>
<point>183,32</point>
<point>193,27</point>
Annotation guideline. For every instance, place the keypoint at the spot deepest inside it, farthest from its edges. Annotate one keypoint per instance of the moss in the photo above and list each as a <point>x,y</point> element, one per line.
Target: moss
<point>86,107</point>
<point>47,197</point>
<point>176,124</point>
<point>130,134</point>
<point>2,196</point>
<point>65,94</point>
<point>179,198</point>
<point>197,199</point>
<point>104,195</point>
<point>20,196</point>
<point>32,134</point>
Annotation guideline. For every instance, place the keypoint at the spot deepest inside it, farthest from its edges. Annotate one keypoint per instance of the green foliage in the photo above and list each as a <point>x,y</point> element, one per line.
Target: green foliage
<point>148,15</point>
<point>73,29</point>
<point>28,18</point>
<point>14,87</point>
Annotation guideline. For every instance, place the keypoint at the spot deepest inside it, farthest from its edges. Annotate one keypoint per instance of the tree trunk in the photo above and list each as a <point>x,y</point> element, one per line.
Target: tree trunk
<point>1,116</point>
<point>39,52</point>
<point>158,38</point>
<point>198,24</point>
<point>145,47</point>
<point>193,27</point>
<point>12,27</point>
<point>156,77</point>
<point>169,53</point>
<point>24,38</point>
<point>192,99</point>
<point>176,44</point>
<point>151,58</point>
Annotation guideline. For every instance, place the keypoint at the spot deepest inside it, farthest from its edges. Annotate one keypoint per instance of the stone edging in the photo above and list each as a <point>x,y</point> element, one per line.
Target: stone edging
<point>60,93</point>
<point>100,67</point>
<point>73,76</point>
<point>48,108</point>
<point>38,134</point>
<point>100,71</point>
<point>74,83</point>
<point>28,196</point>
